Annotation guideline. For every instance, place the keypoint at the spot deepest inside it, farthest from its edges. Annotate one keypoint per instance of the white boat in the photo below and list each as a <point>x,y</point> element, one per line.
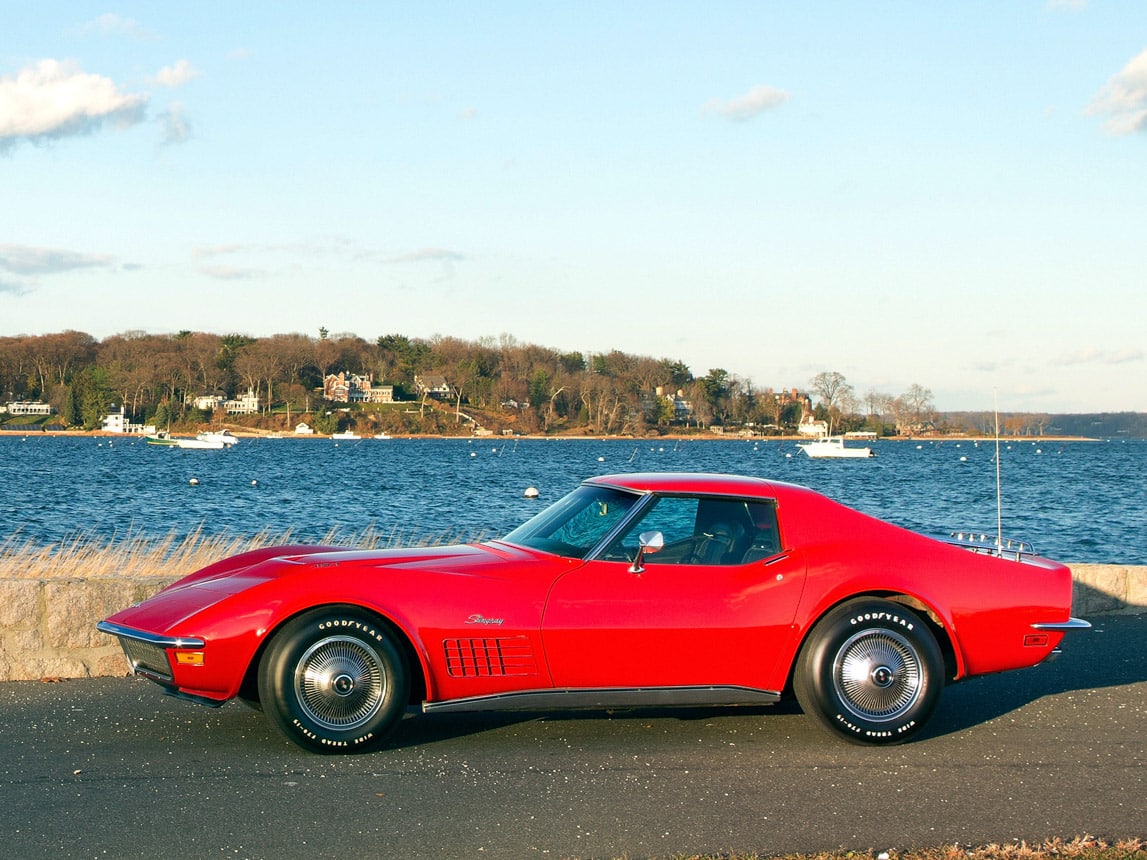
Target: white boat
<point>382,436</point>
<point>833,446</point>
<point>201,444</point>
<point>224,437</point>
<point>345,436</point>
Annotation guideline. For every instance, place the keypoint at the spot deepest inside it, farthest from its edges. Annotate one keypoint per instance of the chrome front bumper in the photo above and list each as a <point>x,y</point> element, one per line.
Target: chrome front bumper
<point>147,652</point>
<point>1063,626</point>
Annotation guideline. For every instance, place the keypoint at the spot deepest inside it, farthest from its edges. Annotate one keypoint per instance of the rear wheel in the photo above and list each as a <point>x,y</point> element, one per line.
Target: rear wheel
<point>871,672</point>
<point>333,680</point>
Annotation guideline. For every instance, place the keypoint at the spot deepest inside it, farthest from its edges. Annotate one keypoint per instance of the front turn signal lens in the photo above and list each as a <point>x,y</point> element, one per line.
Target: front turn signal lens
<point>189,658</point>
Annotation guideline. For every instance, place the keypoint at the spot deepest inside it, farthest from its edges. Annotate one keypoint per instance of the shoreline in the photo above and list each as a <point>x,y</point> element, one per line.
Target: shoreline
<point>248,433</point>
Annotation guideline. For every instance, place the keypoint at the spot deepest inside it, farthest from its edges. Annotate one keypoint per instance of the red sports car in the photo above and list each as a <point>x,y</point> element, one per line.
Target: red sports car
<point>633,590</point>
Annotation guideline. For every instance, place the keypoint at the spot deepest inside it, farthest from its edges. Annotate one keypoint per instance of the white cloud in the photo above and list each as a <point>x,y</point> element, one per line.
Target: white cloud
<point>53,99</point>
<point>27,260</point>
<point>756,101</point>
<point>177,75</point>
<point>13,288</point>
<point>302,249</point>
<point>29,264</point>
<point>218,250</point>
<point>112,24</point>
<point>1124,356</point>
<point>1123,99</point>
<point>427,255</point>
<point>232,273</point>
<point>1094,355</point>
<point>176,127</point>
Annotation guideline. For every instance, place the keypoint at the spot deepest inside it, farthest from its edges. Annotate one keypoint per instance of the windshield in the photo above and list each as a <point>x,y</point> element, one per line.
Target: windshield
<point>575,524</point>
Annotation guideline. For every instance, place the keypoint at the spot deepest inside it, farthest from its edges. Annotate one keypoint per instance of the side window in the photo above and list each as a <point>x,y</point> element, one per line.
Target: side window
<point>703,531</point>
<point>766,540</point>
<point>724,531</point>
<point>675,518</point>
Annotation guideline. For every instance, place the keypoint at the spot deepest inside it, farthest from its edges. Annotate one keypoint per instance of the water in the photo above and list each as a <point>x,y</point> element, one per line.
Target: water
<point>1075,501</point>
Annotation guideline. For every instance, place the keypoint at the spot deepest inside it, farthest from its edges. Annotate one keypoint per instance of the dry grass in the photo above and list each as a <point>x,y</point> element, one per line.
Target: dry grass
<point>1080,848</point>
<point>86,557</point>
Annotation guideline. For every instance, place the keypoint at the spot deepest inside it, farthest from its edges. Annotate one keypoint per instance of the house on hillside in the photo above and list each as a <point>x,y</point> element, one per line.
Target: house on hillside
<point>244,404</point>
<point>810,426</point>
<point>355,388</point>
<point>30,407</point>
<point>116,422</point>
<point>433,385</point>
<point>682,408</point>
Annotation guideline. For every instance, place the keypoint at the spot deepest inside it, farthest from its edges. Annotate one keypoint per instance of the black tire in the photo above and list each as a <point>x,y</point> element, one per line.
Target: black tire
<point>871,672</point>
<point>333,680</point>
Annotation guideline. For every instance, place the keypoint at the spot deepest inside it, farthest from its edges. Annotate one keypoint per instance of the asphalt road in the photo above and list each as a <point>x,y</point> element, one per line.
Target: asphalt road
<point>111,768</point>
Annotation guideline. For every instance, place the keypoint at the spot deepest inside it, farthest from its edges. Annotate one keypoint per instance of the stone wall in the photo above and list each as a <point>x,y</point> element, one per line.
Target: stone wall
<point>47,627</point>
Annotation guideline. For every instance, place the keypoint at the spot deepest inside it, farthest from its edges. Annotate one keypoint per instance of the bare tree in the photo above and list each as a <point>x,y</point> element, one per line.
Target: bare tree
<point>918,403</point>
<point>834,391</point>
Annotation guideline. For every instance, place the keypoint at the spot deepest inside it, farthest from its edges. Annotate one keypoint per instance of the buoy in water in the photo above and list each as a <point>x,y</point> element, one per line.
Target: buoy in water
<point>254,483</point>
<point>531,493</point>
<point>194,482</point>
<point>601,459</point>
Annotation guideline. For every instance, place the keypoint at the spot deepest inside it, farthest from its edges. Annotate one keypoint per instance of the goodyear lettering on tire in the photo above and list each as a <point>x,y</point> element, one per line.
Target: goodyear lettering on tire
<point>890,617</point>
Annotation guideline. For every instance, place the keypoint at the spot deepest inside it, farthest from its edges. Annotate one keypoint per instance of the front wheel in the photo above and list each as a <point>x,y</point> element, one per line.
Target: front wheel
<point>871,672</point>
<point>333,680</point>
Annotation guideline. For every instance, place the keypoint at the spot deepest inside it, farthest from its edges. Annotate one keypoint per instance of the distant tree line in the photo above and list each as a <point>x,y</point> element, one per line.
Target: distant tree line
<point>532,388</point>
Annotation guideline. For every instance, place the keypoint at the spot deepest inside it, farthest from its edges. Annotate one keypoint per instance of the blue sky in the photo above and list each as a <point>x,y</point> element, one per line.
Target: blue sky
<point>945,194</point>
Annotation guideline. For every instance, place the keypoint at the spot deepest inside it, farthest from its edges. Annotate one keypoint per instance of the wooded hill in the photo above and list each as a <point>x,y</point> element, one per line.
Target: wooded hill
<point>500,384</point>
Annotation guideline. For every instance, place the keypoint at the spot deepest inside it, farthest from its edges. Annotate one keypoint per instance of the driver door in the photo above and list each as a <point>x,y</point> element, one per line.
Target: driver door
<point>709,608</point>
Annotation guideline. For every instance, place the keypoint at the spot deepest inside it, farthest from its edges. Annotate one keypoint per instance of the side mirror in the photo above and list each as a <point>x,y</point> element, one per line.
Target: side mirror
<point>647,542</point>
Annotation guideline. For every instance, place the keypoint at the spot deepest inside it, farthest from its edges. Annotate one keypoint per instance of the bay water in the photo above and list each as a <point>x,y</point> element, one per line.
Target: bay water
<point>1082,502</point>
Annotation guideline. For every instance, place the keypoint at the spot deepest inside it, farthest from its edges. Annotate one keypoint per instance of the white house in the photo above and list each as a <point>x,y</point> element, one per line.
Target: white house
<point>29,407</point>
<point>810,426</point>
<point>209,402</point>
<point>116,422</point>
<point>244,404</point>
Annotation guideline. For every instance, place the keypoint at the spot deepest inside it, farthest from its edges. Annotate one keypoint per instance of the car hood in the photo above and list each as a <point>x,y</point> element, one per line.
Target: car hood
<point>311,567</point>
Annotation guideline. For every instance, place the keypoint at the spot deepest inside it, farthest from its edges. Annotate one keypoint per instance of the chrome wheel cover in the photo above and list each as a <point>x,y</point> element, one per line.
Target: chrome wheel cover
<point>877,675</point>
<point>340,683</point>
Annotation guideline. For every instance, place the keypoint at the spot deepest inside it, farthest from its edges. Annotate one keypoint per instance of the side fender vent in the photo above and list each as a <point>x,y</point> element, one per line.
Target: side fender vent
<point>483,658</point>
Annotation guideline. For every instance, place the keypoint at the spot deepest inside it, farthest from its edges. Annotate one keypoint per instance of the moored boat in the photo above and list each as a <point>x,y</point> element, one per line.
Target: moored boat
<point>201,444</point>
<point>224,437</point>
<point>833,446</point>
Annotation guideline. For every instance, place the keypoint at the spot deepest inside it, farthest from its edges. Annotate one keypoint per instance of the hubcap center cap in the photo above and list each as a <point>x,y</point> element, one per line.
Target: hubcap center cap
<point>343,684</point>
<point>882,677</point>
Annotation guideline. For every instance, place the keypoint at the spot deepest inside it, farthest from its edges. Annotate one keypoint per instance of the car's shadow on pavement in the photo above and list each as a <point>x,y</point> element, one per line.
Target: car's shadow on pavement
<point>1109,655</point>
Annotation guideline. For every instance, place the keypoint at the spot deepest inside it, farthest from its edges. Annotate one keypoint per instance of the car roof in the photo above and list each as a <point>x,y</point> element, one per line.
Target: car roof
<point>703,483</point>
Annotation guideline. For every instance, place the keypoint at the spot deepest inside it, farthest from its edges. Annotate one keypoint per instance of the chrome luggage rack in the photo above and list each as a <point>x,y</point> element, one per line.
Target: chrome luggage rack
<point>986,544</point>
